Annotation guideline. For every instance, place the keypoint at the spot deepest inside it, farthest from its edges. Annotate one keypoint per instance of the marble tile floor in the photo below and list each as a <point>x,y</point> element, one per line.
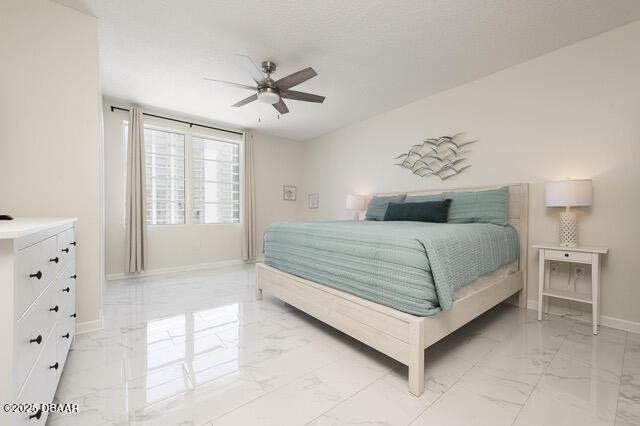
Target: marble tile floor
<point>196,349</point>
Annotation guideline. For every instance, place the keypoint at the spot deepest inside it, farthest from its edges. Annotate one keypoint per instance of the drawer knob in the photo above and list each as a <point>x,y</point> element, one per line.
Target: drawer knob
<point>66,336</point>
<point>65,250</point>
<point>37,340</point>
<point>37,275</point>
<point>74,276</point>
<point>36,416</point>
<point>55,259</point>
<point>55,308</point>
<point>566,255</point>
<point>54,366</point>
<point>73,315</point>
<point>73,243</point>
<point>66,289</point>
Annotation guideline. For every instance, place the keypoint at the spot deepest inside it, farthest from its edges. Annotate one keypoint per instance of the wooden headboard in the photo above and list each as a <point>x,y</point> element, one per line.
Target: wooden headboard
<point>517,212</point>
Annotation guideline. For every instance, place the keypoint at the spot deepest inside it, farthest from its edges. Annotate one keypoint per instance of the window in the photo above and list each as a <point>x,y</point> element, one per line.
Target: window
<point>164,156</point>
<point>164,177</point>
<point>215,177</point>
<point>190,179</point>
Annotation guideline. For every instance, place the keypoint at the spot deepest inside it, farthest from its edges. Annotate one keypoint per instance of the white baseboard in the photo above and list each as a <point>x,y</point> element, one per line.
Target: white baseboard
<point>89,326</point>
<point>607,321</point>
<point>185,268</point>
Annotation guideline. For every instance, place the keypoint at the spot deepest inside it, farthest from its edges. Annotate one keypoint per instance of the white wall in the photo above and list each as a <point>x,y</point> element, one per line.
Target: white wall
<point>49,116</point>
<point>571,113</point>
<point>175,246</point>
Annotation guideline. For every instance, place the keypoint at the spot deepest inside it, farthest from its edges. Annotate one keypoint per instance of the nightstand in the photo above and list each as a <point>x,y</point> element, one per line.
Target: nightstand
<point>582,254</point>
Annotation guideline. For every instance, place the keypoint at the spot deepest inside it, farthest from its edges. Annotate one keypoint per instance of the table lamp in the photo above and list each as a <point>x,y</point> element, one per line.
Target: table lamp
<point>568,193</point>
<point>355,203</point>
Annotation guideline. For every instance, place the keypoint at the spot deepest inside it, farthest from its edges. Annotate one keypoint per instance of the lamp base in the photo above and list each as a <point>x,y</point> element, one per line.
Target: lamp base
<point>568,229</point>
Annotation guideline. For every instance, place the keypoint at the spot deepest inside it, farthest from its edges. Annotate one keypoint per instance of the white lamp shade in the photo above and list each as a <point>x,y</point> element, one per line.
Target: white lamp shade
<point>568,193</point>
<point>355,202</point>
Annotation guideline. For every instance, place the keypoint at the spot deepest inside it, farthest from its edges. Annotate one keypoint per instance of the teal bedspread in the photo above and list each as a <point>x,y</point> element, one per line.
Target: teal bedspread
<point>414,267</point>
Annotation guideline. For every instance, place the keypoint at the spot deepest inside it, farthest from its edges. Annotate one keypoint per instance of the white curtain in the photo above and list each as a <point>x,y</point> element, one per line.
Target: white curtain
<point>248,209</point>
<point>136,240</point>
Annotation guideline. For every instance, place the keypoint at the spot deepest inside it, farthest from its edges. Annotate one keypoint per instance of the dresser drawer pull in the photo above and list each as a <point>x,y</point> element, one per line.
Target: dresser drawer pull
<point>74,276</point>
<point>73,315</point>
<point>66,336</point>
<point>37,340</point>
<point>73,243</point>
<point>566,255</point>
<point>55,308</point>
<point>66,289</point>
<point>36,416</point>
<point>65,250</point>
<point>55,259</point>
<point>37,275</point>
<point>54,366</point>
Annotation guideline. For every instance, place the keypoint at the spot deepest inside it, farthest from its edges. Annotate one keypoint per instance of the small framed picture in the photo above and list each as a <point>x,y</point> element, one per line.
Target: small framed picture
<point>289,192</point>
<point>314,201</point>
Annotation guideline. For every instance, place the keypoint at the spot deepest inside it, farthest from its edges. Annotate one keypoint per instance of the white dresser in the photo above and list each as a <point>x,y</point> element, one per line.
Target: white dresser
<point>37,312</point>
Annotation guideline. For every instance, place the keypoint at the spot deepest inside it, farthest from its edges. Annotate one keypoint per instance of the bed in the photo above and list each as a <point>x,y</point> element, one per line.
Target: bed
<point>394,285</point>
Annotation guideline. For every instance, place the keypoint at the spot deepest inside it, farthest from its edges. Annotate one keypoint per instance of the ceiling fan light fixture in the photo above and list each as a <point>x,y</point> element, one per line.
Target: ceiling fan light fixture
<point>268,97</point>
<point>270,92</point>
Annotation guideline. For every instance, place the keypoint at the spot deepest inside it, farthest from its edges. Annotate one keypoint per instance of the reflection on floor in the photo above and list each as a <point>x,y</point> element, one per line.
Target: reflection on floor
<point>196,348</point>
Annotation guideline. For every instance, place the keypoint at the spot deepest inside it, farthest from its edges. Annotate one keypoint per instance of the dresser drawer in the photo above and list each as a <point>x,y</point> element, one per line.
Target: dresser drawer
<point>71,239</point>
<point>31,333</point>
<point>41,384</point>
<point>63,249</point>
<point>30,277</point>
<point>51,258</point>
<point>65,290</point>
<point>65,332</point>
<point>569,256</point>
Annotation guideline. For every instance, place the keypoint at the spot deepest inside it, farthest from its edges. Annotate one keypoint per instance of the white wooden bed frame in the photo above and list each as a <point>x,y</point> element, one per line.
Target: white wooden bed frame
<point>402,336</point>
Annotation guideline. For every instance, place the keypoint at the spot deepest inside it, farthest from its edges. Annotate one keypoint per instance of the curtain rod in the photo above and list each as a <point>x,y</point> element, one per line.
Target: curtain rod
<point>113,108</point>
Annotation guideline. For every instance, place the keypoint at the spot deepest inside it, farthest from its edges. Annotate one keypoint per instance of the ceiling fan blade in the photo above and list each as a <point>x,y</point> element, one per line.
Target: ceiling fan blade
<point>252,69</point>
<point>301,96</point>
<point>281,107</point>
<point>246,100</point>
<point>295,78</point>
<point>228,83</point>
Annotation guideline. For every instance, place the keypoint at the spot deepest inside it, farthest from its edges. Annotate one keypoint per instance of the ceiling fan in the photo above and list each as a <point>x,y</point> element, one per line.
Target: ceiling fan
<point>271,91</point>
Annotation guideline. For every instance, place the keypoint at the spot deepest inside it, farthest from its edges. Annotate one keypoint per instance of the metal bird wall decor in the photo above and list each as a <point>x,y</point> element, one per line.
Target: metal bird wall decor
<point>442,157</point>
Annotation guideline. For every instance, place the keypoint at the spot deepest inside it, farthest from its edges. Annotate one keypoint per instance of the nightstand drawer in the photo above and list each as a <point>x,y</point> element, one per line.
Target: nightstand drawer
<point>569,256</point>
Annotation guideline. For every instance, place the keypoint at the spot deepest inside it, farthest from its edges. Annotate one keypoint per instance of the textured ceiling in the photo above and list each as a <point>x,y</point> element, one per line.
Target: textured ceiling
<point>371,55</point>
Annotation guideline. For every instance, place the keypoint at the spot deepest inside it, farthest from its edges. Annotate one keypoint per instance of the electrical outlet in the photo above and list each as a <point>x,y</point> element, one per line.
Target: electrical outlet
<point>578,271</point>
<point>555,266</point>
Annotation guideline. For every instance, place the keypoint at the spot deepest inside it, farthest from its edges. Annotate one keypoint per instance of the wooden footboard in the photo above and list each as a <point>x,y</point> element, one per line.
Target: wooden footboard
<point>401,336</point>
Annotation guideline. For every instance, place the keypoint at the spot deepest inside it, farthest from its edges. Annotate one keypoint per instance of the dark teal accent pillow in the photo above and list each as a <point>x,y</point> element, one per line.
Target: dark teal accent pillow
<point>427,211</point>
<point>378,206</point>
<point>489,206</point>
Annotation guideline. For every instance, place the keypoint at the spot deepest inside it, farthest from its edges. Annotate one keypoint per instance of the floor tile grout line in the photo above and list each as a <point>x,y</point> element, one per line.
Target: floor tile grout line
<point>456,381</point>
<point>352,395</point>
<point>259,396</point>
<point>279,387</point>
<point>624,356</point>
<point>515,419</point>
<point>425,407</point>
